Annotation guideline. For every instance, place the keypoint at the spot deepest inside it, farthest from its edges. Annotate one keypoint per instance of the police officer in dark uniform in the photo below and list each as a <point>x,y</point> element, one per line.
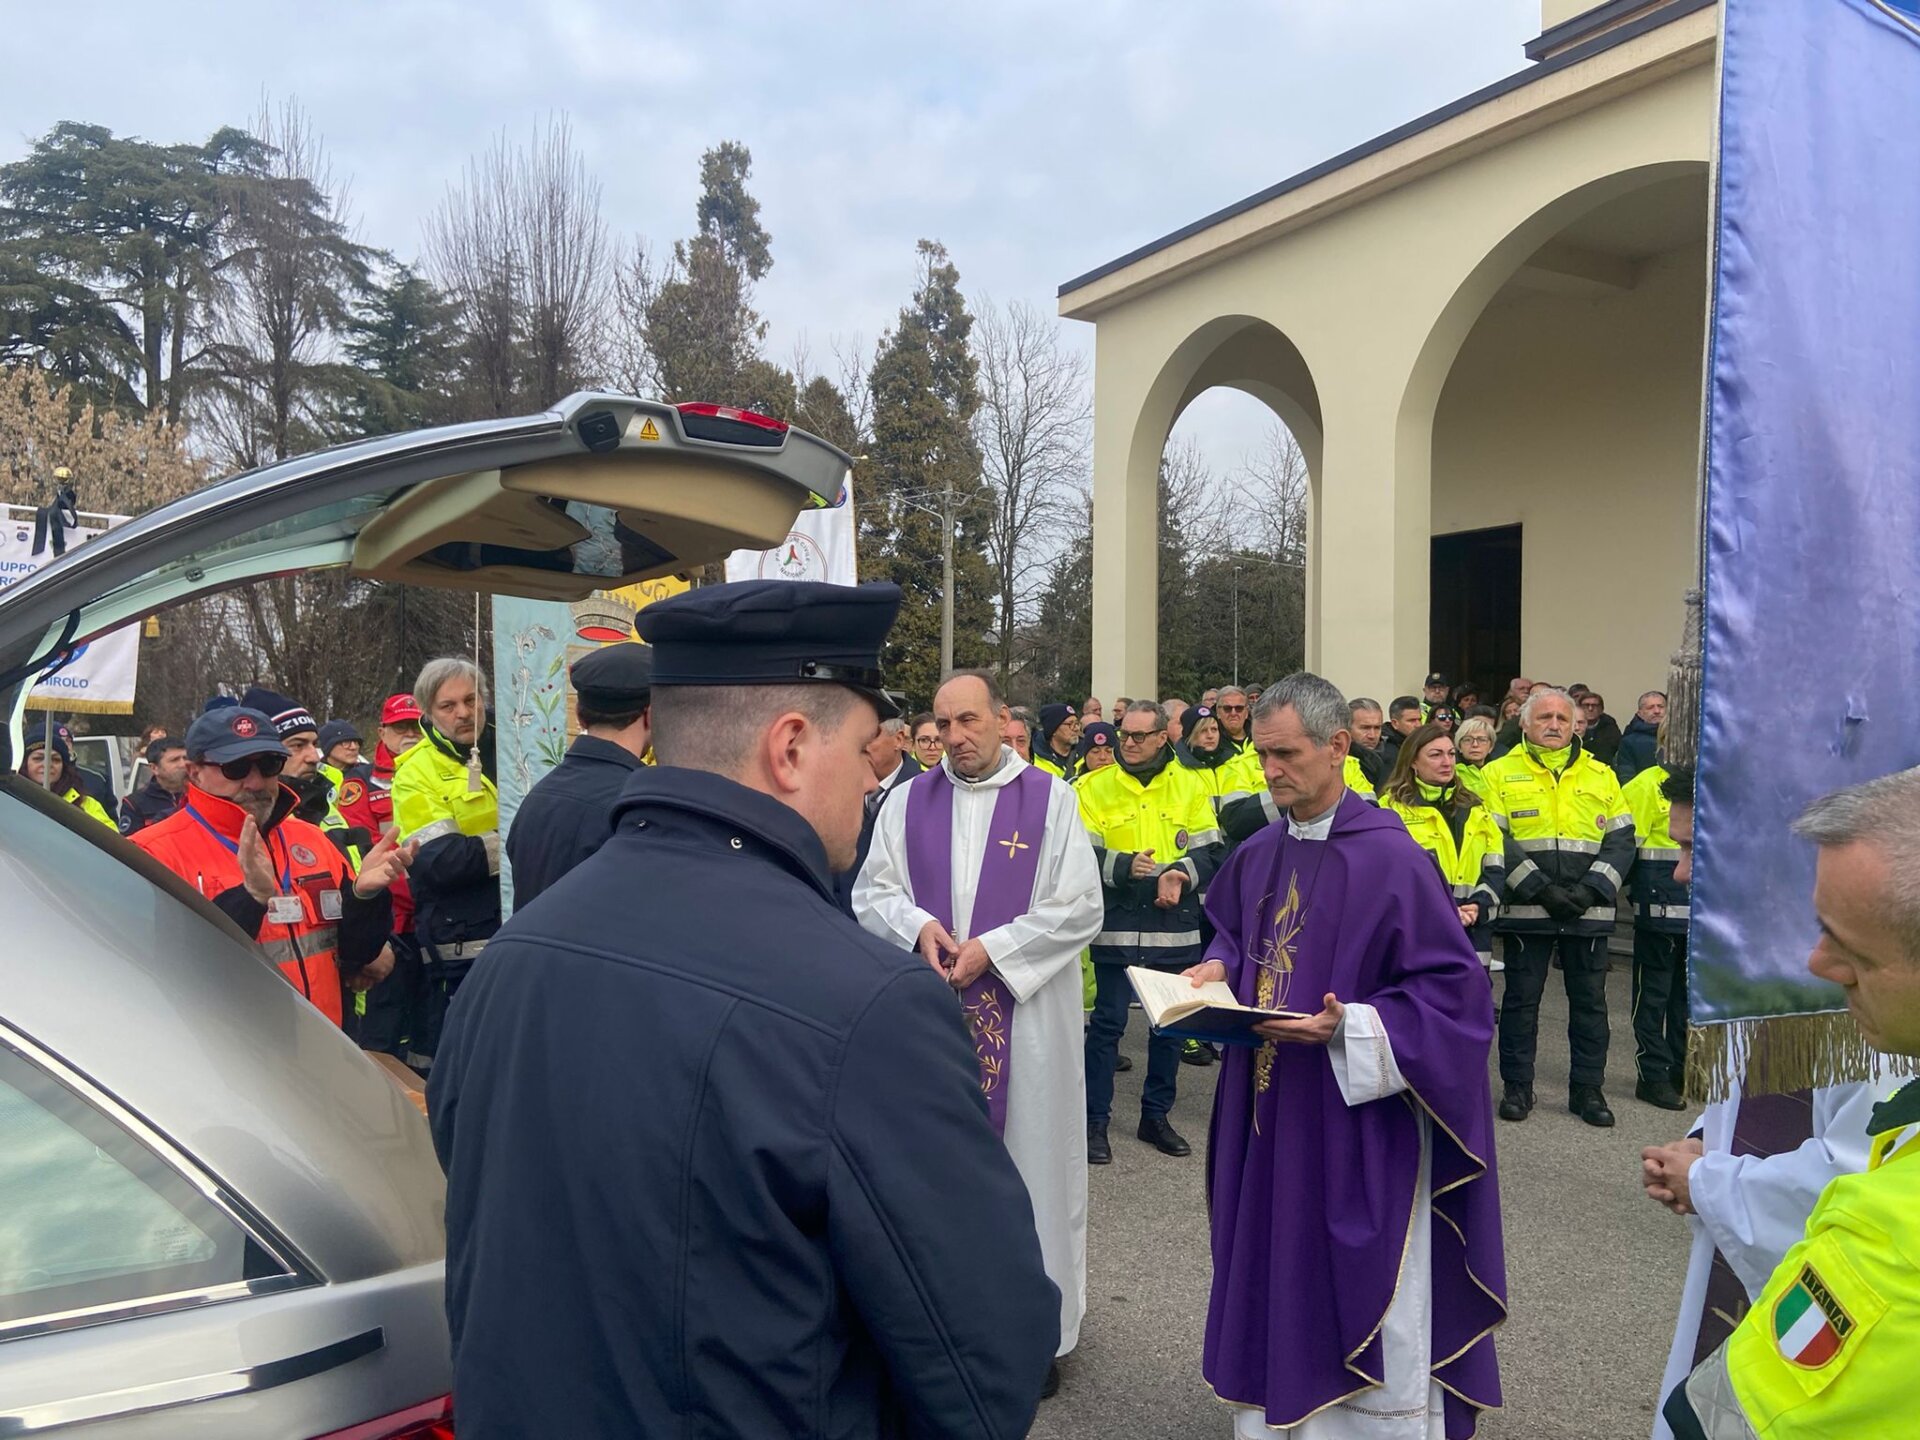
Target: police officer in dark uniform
<point>717,1161</point>
<point>569,814</point>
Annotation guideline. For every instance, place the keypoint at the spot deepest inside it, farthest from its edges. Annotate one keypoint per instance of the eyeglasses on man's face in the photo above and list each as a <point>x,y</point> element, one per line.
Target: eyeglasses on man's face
<point>1137,737</point>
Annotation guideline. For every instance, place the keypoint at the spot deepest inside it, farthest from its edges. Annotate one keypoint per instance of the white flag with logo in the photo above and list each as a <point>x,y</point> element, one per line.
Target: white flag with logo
<point>100,677</point>
<point>819,547</point>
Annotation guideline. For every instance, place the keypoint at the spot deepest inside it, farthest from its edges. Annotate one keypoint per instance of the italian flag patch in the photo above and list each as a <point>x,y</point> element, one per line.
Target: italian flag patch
<point>1809,1325</point>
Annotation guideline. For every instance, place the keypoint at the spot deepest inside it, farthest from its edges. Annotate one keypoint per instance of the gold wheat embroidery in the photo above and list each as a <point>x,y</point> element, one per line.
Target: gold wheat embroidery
<point>989,1027</point>
<point>1273,959</point>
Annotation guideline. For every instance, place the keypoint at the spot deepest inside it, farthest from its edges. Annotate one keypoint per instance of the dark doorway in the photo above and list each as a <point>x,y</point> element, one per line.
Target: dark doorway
<point>1475,608</point>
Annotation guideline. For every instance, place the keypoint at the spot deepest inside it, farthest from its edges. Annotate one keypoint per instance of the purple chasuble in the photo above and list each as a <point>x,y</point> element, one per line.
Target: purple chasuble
<point>1004,893</point>
<point>1312,1200</point>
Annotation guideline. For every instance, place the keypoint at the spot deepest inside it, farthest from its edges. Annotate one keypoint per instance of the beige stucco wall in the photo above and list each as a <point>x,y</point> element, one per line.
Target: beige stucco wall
<point>1555,12</point>
<point>1374,291</point>
<point>1579,420</point>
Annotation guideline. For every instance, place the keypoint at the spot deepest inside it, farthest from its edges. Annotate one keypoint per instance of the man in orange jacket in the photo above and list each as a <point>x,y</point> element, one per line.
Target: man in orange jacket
<point>237,841</point>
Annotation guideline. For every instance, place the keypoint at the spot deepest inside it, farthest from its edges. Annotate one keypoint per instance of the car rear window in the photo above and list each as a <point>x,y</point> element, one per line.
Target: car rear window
<point>93,1219</point>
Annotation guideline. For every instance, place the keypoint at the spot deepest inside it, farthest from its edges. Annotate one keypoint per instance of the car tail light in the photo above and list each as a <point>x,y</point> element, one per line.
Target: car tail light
<point>703,421</point>
<point>432,1420</point>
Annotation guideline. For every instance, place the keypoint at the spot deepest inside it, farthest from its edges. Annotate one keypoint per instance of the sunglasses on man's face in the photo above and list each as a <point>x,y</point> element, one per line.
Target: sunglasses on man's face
<point>1231,709</point>
<point>267,765</point>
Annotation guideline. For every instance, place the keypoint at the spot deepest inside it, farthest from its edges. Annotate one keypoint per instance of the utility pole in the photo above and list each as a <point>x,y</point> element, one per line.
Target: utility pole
<point>946,574</point>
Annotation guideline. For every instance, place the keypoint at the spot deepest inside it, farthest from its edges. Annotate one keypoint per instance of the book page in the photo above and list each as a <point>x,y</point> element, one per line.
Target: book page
<point>1162,992</point>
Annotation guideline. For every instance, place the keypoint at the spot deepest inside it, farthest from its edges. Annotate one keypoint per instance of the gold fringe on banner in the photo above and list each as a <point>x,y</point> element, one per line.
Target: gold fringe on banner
<point>1780,1053</point>
<point>64,706</point>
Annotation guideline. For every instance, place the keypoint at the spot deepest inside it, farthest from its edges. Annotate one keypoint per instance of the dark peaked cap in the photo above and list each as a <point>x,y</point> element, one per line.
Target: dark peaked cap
<point>615,678</point>
<point>774,632</point>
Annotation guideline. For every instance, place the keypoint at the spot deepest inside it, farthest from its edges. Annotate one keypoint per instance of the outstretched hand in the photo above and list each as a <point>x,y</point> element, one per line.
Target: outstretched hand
<point>256,865</point>
<point>385,863</point>
<point>1314,1030</point>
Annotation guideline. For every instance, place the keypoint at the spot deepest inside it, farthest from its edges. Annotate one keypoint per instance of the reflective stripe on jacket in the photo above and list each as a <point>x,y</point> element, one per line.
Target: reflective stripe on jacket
<point>200,844</point>
<point>454,812</point>
<point>1570,828</point>
<point>1172,816</point>
<point>1659,902</point>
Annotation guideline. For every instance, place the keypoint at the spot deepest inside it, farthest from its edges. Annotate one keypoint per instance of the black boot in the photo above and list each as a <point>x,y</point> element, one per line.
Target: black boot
<point>1099,1152</point>
<point>1195,1052</point>
<point>1517,1102</point>
<point>1155,1130</point>
<point>1659,1092</point>
<point>1122,1064</point>
<point>1590,1105</point>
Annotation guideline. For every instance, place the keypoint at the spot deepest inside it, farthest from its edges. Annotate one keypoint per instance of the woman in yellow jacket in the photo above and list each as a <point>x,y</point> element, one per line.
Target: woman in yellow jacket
<point>1449,822</point>
<point>1473,744</point>
<point>66,778</point>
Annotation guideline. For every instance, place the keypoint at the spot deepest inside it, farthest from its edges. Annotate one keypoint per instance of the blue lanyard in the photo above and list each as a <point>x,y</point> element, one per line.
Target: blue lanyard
<point>233,847</point>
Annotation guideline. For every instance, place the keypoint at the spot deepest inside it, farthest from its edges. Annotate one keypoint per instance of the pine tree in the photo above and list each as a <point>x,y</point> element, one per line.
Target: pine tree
<point>404,339</point>
<point>925,474</point>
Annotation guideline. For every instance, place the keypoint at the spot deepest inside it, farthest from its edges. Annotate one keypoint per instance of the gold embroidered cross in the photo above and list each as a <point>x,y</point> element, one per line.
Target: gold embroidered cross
<point>1013,845</point>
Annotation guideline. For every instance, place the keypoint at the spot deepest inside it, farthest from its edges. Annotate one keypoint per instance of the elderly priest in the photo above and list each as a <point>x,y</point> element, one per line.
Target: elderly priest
<point>1357,1264</point>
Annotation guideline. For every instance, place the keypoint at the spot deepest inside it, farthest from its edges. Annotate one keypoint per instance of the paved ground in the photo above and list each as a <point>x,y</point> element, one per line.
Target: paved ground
<point>1593,1268</point>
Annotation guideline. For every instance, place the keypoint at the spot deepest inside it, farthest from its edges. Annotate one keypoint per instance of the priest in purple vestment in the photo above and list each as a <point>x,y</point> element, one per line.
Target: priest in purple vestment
<point>1358,1272</point>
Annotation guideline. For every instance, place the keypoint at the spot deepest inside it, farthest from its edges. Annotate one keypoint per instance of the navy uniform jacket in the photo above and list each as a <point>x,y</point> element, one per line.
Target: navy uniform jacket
<point>717,1160</point>
<point>568,815</point>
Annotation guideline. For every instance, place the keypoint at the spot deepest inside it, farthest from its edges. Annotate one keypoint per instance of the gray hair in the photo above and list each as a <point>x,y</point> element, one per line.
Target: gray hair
<point>1321,707</point>
<point>1532,702</point>
<point>1885,813</point>
<point>1364,702</point>
<point>435,674</point>
<point>715,727</point>
<point>1026,717</point>
<point>1147,707</point>
<point>893,727</point>
<point>1226,690</point>
<point>1478,725</point>
<point>1648,696</point>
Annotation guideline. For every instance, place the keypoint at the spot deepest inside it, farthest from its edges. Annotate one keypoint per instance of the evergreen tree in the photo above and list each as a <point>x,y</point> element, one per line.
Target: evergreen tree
<point>404,339</point>
<point>127,237</point>
<point>925,474</point>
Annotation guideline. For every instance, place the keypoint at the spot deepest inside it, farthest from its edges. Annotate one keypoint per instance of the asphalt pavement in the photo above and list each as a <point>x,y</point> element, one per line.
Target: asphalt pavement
<point>1594,1269</point>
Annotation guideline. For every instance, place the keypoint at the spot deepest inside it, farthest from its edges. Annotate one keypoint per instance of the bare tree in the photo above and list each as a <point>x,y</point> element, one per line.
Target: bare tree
<point>1032,429</point>
<point>1274,486</point>
<point>521,245</point>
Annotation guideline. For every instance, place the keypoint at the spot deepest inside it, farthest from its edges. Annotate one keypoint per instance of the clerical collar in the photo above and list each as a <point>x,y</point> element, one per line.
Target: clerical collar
<point>1319,827</point>
<point>999,765</point>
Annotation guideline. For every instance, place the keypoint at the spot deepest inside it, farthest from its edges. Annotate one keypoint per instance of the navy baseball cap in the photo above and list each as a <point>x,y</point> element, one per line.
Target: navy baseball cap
<point>232,732</point>
<point>774,632</point>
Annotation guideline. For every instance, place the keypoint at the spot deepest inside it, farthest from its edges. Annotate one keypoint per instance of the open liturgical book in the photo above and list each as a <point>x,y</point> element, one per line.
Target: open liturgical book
<point>1175,1006</point>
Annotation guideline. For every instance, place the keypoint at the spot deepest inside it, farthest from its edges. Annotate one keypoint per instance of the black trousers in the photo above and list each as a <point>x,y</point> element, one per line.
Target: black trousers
<point>1112,1000</point>
<point>1659,1004</point>
<point>1529,958</point>
<point>397,1006</point>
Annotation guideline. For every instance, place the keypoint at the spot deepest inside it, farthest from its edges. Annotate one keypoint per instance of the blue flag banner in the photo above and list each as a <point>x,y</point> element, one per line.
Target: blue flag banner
<point>1812,573</point>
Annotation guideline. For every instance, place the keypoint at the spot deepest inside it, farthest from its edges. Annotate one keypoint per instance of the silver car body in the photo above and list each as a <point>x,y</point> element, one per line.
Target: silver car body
<point>127,1002</point>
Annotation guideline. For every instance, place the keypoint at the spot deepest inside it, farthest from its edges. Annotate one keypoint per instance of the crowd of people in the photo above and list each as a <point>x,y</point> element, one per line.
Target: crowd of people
<point>742,883</point>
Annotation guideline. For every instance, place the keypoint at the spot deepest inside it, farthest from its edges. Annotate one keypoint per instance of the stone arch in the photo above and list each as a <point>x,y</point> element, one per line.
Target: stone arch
<point>1502,260</point>
<point>1238,351</point>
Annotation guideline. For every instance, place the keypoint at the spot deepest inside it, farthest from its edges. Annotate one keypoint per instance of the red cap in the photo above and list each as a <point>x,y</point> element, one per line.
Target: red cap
<point>399,708</point>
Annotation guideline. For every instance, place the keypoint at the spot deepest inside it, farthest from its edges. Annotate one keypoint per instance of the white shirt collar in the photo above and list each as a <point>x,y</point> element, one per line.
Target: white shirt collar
<point>1319,827</point>
<point>1010,766</point>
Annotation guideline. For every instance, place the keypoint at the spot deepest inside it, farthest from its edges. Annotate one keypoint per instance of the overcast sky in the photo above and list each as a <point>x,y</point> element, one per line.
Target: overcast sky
<point>1037,141</point>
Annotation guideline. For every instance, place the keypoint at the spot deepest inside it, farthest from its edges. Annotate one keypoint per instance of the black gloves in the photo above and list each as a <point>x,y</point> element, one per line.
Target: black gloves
<point>1563,902</point>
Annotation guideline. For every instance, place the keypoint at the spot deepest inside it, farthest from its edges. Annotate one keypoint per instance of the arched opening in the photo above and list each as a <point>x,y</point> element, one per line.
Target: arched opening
<point>1562,391</point>
<point>1206,513</point>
